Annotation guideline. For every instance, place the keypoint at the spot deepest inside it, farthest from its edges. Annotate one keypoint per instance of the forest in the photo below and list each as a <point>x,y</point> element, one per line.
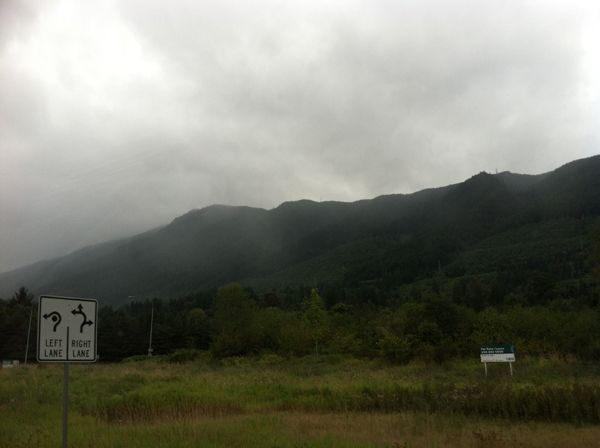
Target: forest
<point>435,320</point>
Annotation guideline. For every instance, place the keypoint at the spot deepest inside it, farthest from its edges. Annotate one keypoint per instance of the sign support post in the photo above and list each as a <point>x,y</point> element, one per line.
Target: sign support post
<point>485,367</point>
<point>65,429</point>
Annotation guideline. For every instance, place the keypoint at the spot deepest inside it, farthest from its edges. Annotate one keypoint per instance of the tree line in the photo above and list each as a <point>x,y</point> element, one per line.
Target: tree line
<point>427,324</point>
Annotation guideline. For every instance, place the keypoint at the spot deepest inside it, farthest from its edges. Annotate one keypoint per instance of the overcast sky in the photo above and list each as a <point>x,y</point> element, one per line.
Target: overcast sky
<point>118,115</point>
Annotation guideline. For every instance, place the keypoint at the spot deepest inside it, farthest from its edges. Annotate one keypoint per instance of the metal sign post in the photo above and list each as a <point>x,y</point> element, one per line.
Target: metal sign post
<point>67,332</point>
<point>65,429</point>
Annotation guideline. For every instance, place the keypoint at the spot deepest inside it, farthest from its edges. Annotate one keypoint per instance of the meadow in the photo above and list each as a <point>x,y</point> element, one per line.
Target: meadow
<point>324,401</point>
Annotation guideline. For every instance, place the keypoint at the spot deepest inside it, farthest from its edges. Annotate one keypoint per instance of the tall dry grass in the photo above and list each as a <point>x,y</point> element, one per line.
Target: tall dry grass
<point>324,402</point>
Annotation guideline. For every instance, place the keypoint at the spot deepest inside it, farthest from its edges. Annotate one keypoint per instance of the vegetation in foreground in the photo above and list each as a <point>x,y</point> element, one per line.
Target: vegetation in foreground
<point>312,401</point>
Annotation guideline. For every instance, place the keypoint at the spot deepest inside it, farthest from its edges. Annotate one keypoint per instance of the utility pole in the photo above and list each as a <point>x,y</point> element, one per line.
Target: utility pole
<point>150,350</point>
<point>28,333</point>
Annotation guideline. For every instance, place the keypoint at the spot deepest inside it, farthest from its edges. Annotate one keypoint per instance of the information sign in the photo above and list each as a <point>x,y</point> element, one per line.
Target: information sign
<point>67,329</point>
<point>497,353</point>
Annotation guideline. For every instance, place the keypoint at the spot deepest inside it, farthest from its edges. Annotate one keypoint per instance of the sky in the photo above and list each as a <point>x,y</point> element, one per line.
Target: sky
<point>116,116</point>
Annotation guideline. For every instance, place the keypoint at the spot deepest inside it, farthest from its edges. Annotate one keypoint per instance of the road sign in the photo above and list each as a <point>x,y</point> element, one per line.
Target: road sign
<point>497,353</point>
<point>67,329</point>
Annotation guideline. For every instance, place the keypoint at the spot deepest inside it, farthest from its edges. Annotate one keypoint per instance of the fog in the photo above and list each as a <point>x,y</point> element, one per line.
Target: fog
<point>118,116</point>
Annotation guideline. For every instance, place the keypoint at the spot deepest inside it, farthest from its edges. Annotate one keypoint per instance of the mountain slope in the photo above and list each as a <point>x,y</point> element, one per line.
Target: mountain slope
<point>393,239</point>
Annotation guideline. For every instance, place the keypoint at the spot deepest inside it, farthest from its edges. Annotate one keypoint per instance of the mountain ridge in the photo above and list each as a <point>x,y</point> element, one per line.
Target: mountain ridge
<point>207,247</point>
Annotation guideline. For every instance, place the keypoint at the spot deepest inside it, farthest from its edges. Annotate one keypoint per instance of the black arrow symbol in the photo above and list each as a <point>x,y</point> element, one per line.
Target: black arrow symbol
<point>85,322</point>
<point>56,318</point>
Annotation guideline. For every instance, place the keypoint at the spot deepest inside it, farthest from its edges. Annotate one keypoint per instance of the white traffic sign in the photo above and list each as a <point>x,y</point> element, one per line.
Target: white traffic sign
<point>67,329</point>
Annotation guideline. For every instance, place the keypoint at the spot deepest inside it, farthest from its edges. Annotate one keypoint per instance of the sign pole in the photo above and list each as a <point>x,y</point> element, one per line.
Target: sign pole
<point>65,433</point>
<point>511,369</point>
<point>485,366</point>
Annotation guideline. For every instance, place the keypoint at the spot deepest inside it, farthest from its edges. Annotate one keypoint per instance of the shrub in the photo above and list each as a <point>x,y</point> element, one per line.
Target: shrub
<point>394,348</point>
<point>184,355</point>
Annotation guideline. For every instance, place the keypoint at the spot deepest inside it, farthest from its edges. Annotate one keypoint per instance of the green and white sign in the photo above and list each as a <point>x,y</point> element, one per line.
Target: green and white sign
<point>497,353</point>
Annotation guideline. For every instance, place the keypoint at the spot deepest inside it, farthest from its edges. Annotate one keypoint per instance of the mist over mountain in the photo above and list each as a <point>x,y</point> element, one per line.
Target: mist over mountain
<point>490,223</point>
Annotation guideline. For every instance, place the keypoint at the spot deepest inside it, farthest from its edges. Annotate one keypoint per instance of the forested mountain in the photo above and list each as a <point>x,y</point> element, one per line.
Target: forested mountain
<point>514,234</point>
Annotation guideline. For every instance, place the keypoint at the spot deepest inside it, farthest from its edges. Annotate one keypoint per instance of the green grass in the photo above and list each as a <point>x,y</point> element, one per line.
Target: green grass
<point>302,402</point>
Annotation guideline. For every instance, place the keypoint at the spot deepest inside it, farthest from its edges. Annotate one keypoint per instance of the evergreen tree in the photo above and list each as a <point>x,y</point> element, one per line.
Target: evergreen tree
<point>315,317</point>
<point>22,297</point>
<point>234,322</point>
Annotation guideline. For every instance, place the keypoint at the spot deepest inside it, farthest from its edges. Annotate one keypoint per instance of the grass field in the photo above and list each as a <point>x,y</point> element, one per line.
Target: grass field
<point>324,402</point>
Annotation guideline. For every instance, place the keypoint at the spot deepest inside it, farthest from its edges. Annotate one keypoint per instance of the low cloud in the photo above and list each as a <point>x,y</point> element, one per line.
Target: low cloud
<point>118,116</point>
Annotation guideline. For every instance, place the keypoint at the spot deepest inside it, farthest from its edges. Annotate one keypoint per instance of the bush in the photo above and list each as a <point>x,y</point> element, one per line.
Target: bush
<point>394,348</point>
<point>269,359</point>
<point>136,358</point>
<point>185,355</point>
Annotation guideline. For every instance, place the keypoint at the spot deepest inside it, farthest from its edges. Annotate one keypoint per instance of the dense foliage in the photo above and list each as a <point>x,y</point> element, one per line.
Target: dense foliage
<point>429,323</point>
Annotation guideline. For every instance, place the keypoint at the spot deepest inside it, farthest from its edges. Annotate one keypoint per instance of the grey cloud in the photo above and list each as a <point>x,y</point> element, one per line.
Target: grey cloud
<point>260,102</point>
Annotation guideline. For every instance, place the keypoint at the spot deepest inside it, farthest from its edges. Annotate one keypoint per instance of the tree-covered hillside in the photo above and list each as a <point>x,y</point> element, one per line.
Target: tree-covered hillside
<point>527,237</point>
